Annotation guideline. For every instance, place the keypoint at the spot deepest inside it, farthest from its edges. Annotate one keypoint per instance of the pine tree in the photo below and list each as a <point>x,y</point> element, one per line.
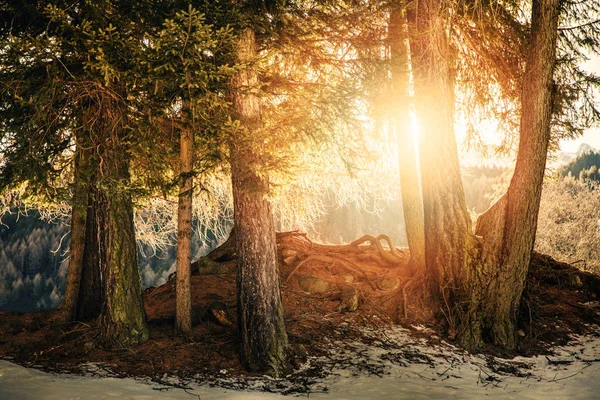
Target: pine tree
<point>67,73</point>
<point>412,203</point>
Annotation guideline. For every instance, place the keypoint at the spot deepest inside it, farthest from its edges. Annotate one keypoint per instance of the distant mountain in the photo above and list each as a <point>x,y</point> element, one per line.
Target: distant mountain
<point>584,167</point>
<point>585,148</point>
<point>563,157</point>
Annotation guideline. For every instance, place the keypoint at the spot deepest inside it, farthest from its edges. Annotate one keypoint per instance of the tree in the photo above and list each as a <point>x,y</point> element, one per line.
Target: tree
<point>508,228</point>
<point>183,314</point>
<point>409,178</point>
<point>447,223</point>
<point>263,340</point>
<point>67,73</point>
<point>478,280</point>
<point>187,68</point>
<point>79,212</point>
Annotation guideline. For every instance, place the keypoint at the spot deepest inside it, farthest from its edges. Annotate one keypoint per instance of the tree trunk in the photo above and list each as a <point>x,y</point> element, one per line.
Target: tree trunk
<point>91,295</point>
<point>263,340</point>
<point>79,209</point>
<point>447,222</point>
<point>516,214</point>
<point>123,320</point>
<point>479,280</point>
<point>407,153</point>
<point>83,295</point>
<point>183,317</point>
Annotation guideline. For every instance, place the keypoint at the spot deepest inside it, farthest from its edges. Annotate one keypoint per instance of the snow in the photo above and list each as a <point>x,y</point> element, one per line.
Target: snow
<point>19,383</point>
<point>394,365</point>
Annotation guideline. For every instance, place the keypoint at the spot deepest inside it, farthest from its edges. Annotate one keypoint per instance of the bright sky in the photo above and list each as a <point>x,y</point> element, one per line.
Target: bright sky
<point>592,136</point>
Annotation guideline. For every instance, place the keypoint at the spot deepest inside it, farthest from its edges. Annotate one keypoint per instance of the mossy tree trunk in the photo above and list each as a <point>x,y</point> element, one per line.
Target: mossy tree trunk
<point>123,320</point>
<point>83,294</point>
<point>263,340</point>
<point>183,312</point>
<point>91,294</point>
<point>412,203</point>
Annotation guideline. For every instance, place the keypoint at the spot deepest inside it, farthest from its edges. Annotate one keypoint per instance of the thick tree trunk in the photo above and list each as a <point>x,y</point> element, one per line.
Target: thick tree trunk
<point>479,281</point>
<point>83,295</point>
<point>263,340</point>
<point>183,316</point>
<point>123,320</point>
<point>517,212</point>
<point>407,153</point>
<point>79,209</point>
<point>447,224</point>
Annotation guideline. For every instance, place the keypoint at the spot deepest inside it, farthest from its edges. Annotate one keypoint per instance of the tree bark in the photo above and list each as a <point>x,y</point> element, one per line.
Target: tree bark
<point>263,340</point>
<point>83,295</point>
<point>447,222</point>
<point>79,209</point>
<point>91,295</point>
<point>183,313</point>
<point>479,280</point>
<point>412,203</point>
<point>123,320</point>
<point>516,214</point>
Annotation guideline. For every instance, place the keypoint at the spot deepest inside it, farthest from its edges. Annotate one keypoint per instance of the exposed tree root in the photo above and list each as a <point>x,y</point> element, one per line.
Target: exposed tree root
<point>342,261</point>
<point>355,253</point>
<point>371,264</point>
<point>378,270</point>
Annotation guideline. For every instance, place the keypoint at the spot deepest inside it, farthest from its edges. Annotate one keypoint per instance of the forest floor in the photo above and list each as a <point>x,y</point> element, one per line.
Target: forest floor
<point>338,306</point>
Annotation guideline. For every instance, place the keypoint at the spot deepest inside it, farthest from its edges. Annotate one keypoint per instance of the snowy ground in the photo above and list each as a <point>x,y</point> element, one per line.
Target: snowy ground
<point>394,365</point>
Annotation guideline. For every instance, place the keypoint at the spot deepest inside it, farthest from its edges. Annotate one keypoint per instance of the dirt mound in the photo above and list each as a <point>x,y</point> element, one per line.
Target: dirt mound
<point>355,286</point>
<point>558,301</point>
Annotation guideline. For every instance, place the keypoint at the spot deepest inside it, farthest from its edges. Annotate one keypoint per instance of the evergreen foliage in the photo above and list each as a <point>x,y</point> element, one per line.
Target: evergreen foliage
<point>584,167</point>
<point>32,263</point>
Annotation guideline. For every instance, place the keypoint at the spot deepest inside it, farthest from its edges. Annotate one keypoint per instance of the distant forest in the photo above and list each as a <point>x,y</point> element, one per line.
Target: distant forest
<point>34,261</point>
<point>585,167</point>
<point>33,257</point>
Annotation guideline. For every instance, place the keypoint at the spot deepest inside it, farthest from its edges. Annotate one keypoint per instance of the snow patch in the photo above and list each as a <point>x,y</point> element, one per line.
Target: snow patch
<point>385,363</point>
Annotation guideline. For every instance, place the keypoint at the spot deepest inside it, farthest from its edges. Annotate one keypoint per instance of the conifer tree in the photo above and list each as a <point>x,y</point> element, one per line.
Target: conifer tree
<point>477,281</point>
<point>65,70</point>
<point>188,68</point>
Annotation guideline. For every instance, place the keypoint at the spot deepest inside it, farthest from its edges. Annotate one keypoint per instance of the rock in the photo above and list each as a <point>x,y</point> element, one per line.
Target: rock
<point>217,312</point>
<point>208,267</point>
<point>350,300</point>
<point>289,260</point>
<point>389,283</point>
<point>311,284</point>
<point>574,281</point>
<point>286,253</point>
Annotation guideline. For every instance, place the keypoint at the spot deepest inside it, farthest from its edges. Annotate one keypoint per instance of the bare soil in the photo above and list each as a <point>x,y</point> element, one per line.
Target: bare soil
<point>559,301</point>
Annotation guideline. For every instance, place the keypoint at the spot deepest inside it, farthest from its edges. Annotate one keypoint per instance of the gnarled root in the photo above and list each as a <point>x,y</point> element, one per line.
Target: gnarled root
<point>364,258</point>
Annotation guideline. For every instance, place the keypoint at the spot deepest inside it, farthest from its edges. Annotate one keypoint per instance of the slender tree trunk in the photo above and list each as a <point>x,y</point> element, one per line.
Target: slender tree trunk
<point>407,153</point>
<point>508,255</point>
<point>183,317</point>
<point>263,340</point>
<point>123,320</point>
<point>447,223</point>
<point>78,233</point>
